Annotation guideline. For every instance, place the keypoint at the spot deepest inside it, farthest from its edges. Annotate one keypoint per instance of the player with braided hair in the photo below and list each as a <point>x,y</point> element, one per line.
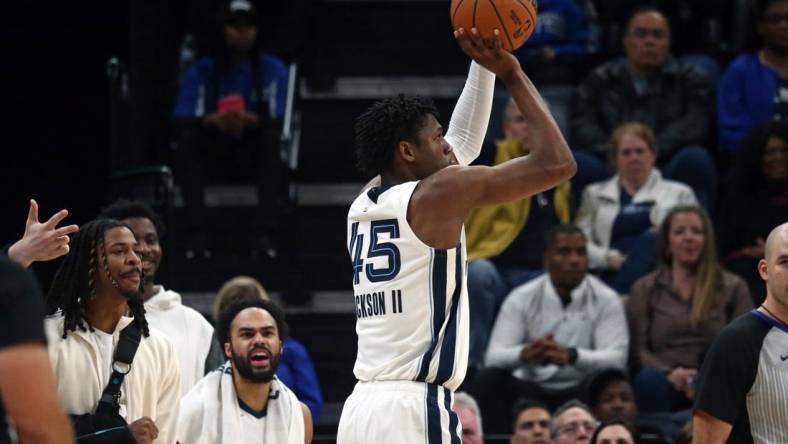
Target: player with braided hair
<point>95,294</point>
<point>71,293</point>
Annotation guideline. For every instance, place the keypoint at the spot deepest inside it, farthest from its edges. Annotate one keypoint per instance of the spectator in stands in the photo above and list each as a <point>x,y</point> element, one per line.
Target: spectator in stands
<point>671,97</point>
<point>610,395</point>
<point>506,242</point>
<point>614,431</point>
<point>229,107</point>
<point>295,370</point>
<point>759,189</point>
<point>41,241</point>
<point>551,333</point>
<point>558,45</point>
<point>676,311</point>
<point>467,410</point>
<point>29,408</point>
<point>572,423</point>
<point>243,400</point>
<point>752,89</point>
<point>189,331</point>
<point>619,215</point>
<point>696,25</point>
<point>97,286</point>
<point>531,423</point>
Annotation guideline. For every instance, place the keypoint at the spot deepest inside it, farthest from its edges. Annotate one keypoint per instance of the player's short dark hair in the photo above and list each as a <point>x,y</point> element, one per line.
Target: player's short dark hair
<point>524,404</point>
<point>384,125</point>
<point>126,209</point>
<point>552,234</point>
<point>227,316</point>
<point>600,381</point>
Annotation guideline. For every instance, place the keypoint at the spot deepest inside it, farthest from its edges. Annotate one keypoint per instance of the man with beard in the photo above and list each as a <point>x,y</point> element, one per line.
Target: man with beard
<point>189,331</point>
<point>243,401</point>
<point>552,333</point>
<point>96,291</point>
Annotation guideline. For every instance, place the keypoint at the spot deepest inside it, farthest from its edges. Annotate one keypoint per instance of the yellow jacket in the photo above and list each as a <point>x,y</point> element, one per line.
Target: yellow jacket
<point>490,230</point>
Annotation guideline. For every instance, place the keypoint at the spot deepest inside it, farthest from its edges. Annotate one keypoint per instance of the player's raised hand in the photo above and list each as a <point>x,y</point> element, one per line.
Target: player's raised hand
<point>42,241</point>
<point>488,52</point>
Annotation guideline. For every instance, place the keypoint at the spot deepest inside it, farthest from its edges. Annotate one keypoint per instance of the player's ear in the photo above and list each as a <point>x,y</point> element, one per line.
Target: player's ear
<point>406,150</point>
<point>227,353</point>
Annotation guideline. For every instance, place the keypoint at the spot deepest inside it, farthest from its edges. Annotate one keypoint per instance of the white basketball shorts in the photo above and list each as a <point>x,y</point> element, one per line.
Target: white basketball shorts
<point>399,412</point>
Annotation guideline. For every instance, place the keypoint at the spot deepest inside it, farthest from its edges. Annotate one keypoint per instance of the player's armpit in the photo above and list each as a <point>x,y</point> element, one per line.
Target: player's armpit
<point>707,429</point>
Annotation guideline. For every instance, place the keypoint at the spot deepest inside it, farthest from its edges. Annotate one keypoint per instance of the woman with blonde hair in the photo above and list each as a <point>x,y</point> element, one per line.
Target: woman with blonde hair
<point>295,368</point>
<point>676,311</point>
<point>619,215</point>
<point>237,288</point>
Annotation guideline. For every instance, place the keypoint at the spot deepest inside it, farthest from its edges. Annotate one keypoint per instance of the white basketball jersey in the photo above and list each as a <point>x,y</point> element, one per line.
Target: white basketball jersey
<point>411,300</point>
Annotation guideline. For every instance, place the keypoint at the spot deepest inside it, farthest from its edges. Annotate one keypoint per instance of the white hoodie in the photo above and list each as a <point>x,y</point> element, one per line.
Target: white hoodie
<point>152,387</point>
<point>188,330</point>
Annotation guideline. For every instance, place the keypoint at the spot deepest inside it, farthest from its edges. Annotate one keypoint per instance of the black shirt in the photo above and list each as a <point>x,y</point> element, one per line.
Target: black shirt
<point>21,317</point>
<point>744,379</point>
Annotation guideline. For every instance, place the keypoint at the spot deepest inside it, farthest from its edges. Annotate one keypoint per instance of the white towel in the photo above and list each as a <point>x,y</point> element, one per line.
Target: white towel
<point>210,413</point>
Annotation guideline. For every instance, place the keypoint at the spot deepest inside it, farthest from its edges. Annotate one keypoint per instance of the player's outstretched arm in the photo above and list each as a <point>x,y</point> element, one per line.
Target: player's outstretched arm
<point>471,115</point>
<point>455,190</point>
<point>550,161</point>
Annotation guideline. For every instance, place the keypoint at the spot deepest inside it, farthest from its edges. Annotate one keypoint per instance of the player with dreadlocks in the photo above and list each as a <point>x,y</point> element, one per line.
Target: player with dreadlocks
<point>72,294</point>
<point>96,293</point>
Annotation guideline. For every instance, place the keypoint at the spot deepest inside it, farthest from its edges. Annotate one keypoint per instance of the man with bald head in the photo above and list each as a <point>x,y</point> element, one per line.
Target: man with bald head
<point>743,386</point>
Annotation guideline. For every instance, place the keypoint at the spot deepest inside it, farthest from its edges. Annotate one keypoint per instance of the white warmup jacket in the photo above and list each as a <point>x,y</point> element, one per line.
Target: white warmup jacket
<point>601,202</point>
<point>152,388</point>
<point>188,330</point>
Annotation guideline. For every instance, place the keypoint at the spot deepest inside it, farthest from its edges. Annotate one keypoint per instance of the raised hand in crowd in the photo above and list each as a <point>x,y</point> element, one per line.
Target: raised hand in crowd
<point>42,241</point>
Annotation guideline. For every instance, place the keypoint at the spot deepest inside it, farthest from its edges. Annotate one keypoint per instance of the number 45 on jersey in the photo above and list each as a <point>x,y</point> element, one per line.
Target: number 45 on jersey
<point>376,248</point>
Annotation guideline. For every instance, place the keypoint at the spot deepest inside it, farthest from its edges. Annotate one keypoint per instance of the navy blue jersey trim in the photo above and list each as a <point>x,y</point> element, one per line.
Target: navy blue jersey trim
<point>769,320</point>
<point>446,362</point>
<point>439,309</point>
<point>259,415</point>
<point>375,192</point>
<point>453,418</point>
<point>433,416</point>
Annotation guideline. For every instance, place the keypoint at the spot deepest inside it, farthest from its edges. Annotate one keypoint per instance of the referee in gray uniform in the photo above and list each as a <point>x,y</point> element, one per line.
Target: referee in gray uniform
<point>742,394</point>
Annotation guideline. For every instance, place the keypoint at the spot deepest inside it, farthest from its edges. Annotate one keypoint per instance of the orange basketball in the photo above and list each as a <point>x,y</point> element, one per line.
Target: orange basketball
<point>514,19</point>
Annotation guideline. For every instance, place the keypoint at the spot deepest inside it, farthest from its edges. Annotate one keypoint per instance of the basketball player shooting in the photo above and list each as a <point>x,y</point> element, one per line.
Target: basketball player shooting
<point>406,243</point>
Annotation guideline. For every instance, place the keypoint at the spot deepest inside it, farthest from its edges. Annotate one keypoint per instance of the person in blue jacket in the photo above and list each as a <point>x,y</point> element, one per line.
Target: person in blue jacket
<point>560,40</point>
<point>754,87</point>
<point>229,111</point>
